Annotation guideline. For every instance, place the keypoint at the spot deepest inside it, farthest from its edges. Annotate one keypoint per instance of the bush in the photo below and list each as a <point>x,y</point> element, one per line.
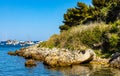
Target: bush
<point>93,34</point>
<point>105,37</point>
<point>113,40</point>
<point>79,37</point>
<point>52,42</point>
<point>115,27</point>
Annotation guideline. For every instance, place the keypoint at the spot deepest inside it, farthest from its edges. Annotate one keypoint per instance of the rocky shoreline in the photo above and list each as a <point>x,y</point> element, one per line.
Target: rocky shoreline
<point>115,60</point>
<point>57,57</point>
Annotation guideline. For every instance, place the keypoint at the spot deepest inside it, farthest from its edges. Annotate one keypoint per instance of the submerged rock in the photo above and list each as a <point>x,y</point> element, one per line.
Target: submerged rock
<point>115,60</point>
<point>19,52</point>
<point>30,63</point>
<point>12,53</point>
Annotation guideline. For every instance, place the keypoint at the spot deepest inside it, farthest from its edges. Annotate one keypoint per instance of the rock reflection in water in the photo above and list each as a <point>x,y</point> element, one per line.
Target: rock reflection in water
<point>87,70</point>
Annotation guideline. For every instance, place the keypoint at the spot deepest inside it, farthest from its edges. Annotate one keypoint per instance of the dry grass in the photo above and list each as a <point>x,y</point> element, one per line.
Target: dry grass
<point>79,37</point>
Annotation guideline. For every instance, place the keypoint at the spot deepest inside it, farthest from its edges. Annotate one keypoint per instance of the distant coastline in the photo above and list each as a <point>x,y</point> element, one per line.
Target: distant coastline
<point>16,42</point>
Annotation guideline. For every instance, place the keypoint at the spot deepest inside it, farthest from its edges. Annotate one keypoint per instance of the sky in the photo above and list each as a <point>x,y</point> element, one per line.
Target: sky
<point>33,19</point>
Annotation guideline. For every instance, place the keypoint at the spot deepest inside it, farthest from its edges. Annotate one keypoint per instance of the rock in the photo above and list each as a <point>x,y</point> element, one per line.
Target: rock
<point>67,58</point>
<point>115,60</point>
<point>12,53</point>
<point>51,60</point>
<point>27,56</point>
<point>97,46</point>
<point>19,52</point>
<point>38,57</point>
<point>57,56</point>
<point>30,63</point>
<point>84,56</point>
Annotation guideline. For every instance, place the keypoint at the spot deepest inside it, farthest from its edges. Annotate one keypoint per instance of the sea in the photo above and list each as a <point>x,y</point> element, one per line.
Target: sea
<point>14,66</point>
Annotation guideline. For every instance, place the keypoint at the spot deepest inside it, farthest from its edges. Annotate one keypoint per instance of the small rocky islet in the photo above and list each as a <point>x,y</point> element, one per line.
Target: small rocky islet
<point>57,57</point>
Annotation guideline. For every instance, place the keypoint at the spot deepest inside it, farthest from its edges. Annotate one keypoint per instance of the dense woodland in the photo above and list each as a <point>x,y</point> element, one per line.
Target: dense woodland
<point>94,26</point>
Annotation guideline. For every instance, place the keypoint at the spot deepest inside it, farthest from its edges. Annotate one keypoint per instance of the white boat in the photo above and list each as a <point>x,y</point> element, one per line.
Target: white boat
<point>29,42</point>
<point>15,42</point>
<point>9,42</point>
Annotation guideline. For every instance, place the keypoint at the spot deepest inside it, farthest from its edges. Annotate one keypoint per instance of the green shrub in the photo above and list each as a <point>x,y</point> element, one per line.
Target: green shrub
<point>92,34</point>
<point>86,36</point>
<point>78,37</point>
<point>52,42</point>
<point>113,40</point>
<point>115,27</point>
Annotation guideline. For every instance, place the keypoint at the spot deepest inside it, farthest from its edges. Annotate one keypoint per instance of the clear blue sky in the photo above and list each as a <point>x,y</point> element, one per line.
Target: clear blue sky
<point>32,19</point>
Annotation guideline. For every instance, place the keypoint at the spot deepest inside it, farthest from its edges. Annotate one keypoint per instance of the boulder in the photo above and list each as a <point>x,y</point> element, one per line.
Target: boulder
<point>115,60</point>
<point>30,63</point>
<point>51,60</point>
<point>67,58</point>
<point>84,56</point>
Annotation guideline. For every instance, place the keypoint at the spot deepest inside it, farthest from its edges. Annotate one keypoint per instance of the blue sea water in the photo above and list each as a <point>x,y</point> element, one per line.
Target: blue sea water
<point>14,66</point>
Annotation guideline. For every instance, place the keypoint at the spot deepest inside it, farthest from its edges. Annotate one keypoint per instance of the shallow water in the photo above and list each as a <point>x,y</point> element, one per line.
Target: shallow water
<point>14,66</point>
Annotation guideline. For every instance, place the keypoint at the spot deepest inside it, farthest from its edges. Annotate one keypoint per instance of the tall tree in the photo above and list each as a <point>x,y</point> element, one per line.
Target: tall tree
<point>75,16</point>
<point>114,13</point>
<point>98,3</point>
<point>102,10</point>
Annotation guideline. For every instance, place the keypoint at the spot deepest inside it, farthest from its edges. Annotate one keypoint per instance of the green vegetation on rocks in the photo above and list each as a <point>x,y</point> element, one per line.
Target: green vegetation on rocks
<point>101,36</point>
<point>96,27</point>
